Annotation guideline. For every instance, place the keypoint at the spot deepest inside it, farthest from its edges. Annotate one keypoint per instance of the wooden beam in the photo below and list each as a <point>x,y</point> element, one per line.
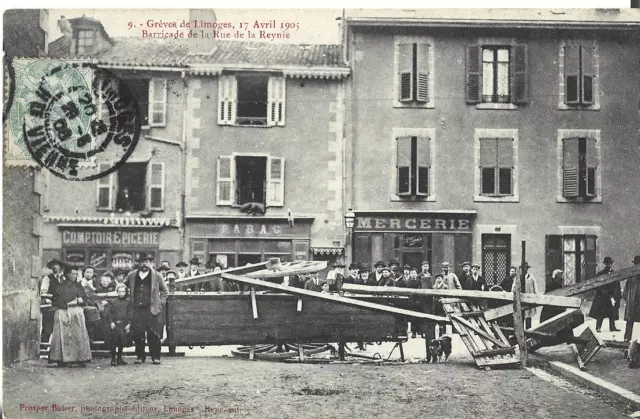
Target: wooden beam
<point>534,299</point>
<point>289,269</point>
<point>334,298</point>
<point>597,282</point>
<point>299,305</point>
<point>211,276</point>
<point>567,319</point>
<point>518,316</point>
<point>252,352</point>
<point>477,330</point>
<point>301,352</point>
<point>254,304</point>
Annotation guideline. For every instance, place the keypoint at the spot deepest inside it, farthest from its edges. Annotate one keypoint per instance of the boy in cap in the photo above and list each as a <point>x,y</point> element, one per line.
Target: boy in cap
<point>403,281</point>
<point>394,266</point>
<point>387,277</point>
<point>119,313</point>
<point>476,281</point>
<point>377,274</point>
<point>335,277</point>
<point>414,301</point>
<point>426,280</point>
<point>465,275</point>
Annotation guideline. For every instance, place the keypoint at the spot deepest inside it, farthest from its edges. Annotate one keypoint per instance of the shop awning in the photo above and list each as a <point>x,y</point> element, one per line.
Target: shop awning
<point>92,221</point>
<point>337,251</point>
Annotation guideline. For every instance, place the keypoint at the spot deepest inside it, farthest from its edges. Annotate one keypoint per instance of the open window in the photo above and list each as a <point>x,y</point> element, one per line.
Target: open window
<point>135,187</point>
<point>413,166</point>
<point>579,74</point>
<point>149,94</point>
<point>579,168</point>
<point>250,179</point>
<point>251,99</point>
<point>497,74</point>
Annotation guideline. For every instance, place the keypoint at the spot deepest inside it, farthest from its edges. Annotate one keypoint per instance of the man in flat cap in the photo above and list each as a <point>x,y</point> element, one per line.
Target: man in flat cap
<point>465,275</point>
<point>450,279</point>
<point>476,282</point>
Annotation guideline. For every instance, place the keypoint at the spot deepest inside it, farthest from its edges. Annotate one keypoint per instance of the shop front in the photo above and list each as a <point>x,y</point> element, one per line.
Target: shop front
<point>236,242</point>
<point>109,247</point>
<point>413,237</point>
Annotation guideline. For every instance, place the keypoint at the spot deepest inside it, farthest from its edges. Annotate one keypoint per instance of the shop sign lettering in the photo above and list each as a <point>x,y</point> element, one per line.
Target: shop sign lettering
<point>421,224</point>
<point>110,238</point>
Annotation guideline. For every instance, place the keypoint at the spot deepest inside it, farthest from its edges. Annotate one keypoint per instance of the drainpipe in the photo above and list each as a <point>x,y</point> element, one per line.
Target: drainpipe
<point>183,178</point>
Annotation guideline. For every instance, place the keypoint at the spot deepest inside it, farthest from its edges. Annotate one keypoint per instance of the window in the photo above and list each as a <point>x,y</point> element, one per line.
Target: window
<point>496,159</point>
<point>413,164</point>
<point>574,254</point>
<point>244,179</point>
<point>579,176</point>
<point>413,80</point>
<point>497,74</point>
<point>251,99</point>
<point>496,166</point>
<point>150,96</point>
<point>85,39</point>
<point>134,187</point>
<point>578,69</point>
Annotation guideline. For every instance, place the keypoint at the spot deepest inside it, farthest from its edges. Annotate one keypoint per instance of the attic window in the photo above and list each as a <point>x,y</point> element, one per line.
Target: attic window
<point>85,39</point>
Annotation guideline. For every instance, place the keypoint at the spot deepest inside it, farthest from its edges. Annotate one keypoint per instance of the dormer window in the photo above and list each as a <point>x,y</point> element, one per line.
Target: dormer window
<point>85,39</point>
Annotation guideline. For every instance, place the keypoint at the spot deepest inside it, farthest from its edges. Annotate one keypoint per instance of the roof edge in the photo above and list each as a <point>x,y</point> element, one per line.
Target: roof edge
<point>484,23</point>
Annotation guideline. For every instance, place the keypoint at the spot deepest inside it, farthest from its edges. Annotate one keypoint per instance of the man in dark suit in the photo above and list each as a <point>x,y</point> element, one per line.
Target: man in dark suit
<point>475,282</point>
<point>394,266</point>
<point>606,302</point>
<point>403,281</point>
<point>465,275</point>
<point>313,284</point>
<point>148,296</point>
<point>353,274</point>
<point>376,275</point>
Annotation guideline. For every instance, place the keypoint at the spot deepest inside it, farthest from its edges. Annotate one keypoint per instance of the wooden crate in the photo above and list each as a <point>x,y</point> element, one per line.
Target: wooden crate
<point>485,340</point>
<point>587,348</point>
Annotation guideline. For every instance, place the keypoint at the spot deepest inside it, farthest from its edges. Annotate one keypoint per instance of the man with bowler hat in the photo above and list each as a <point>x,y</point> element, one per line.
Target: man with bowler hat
<point>148,296</point>
<point>607,300</point>
<point>354,275</point>
<point>631,297</point>
<point>377,273</point>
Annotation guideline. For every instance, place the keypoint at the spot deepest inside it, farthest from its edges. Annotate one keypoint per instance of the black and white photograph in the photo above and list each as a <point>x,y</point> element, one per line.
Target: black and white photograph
<point>321,213</point>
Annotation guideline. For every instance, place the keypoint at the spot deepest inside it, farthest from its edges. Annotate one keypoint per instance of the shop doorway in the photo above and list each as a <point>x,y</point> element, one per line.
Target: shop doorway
<point>244,259</point>
<point>496,257</point>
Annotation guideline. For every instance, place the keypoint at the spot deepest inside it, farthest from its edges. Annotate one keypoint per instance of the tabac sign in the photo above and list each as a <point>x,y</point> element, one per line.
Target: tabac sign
<point>423,223</point>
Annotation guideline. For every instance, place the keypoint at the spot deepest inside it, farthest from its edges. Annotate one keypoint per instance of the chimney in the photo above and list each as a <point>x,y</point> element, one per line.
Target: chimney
<point>206,18</point>
<point>64,25</point>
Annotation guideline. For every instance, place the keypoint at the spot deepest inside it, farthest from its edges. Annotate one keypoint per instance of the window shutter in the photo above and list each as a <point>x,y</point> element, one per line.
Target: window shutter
<point>553,255</point>
<point>403,166</point>
<point>406,72</point>
<point>155,186</point>
<point>275,106</point>
<point>423,165</point>
<point>422,57</point>
<point>227,92</point>
<point>571,71</point>
<point>505,181</point>
<point>592,166</point>
<point>224,178</point>
<point>586,91</point>
<point>570,165</point>
<point>105,188</point>
<point>275,182</point>
<point>488,164</point>
<point>474,73</point>
<point>519,78</point>
<point>590,257</point>
<point>157,102</point>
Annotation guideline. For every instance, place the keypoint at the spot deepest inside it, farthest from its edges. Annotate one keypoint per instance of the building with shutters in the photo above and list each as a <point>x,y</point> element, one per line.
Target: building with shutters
<point>264,173</point>
<point>240,157</point>
<point>471,131</point>
<point>107,222</point>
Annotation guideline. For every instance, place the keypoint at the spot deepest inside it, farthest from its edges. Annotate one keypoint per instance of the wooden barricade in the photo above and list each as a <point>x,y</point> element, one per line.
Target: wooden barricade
<point>485,340</point>
<point>587,347</point>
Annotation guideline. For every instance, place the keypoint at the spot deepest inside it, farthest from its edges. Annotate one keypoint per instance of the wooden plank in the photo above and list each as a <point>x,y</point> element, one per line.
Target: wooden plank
<point>498,312</point>
<point>518,321</point>
<point>289,269</point>
<point>535,299</point>
<point>299,305</point>
<point>577,355</point>
<point>479,331</point>
<point>570,318</point>
<point>334,298</point>
<point>478,338</point>
<point>254,304</point>
<point>301,352</point>
<point>211,276</point>
<point>597,282</point>
<point>496,351</point>
<point>252,352</point>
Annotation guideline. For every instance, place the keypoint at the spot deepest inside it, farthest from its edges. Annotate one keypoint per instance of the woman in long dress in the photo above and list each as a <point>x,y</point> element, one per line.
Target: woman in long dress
<point>70,340</point>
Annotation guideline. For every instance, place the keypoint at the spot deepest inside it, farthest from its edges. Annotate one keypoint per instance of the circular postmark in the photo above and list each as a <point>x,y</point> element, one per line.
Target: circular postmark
<point>73,118</point>
<point>8,86</point>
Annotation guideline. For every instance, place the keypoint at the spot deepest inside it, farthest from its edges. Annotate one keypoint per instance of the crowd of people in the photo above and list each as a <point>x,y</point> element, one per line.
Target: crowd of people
<point>123,307</point>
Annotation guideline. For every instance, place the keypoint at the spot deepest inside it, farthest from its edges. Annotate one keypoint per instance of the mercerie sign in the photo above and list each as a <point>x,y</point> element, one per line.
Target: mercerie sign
<point>458,223</point>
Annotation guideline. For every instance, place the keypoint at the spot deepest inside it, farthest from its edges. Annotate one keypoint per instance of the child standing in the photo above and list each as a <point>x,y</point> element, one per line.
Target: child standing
<point>119,312</point>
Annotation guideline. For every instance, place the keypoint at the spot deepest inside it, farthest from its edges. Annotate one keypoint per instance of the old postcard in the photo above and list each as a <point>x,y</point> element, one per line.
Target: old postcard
<point>321,212</point>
